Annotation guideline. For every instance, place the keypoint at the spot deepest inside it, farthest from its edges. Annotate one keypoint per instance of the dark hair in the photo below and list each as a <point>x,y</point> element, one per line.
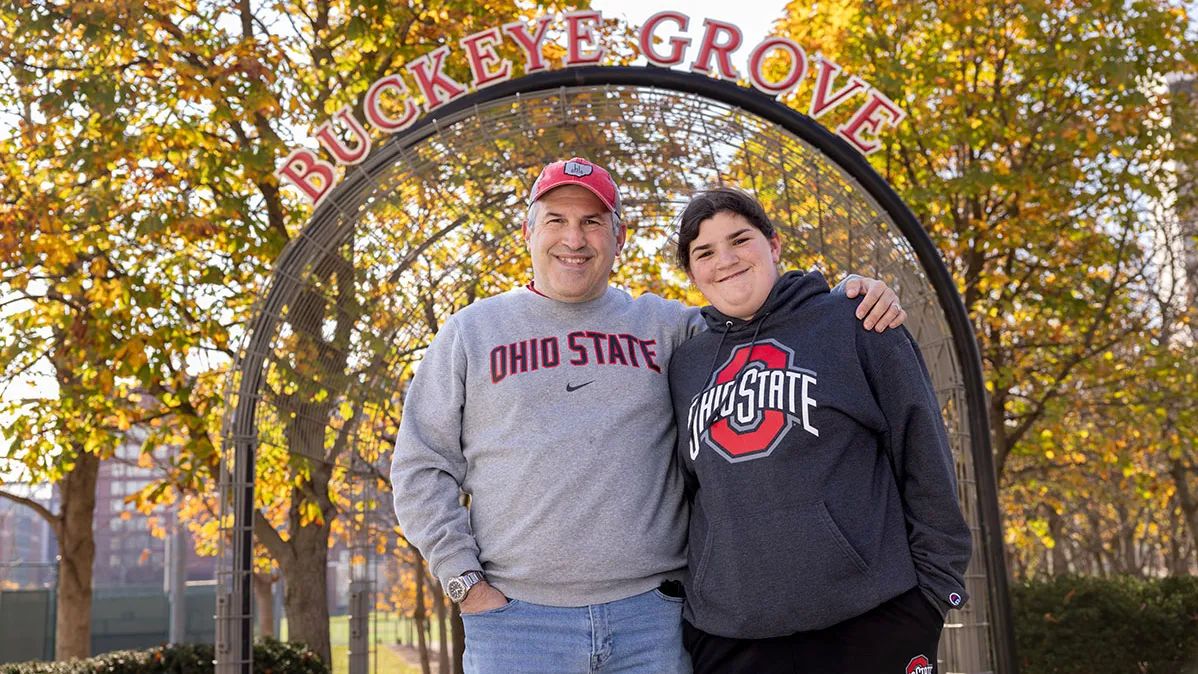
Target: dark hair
<point>705,205</point>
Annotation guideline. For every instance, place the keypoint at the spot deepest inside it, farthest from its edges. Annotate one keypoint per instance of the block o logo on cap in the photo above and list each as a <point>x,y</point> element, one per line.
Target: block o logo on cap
<point>574,168</point>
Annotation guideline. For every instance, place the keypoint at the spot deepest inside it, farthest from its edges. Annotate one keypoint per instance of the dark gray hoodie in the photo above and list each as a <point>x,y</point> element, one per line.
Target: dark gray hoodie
<point>816,457</point>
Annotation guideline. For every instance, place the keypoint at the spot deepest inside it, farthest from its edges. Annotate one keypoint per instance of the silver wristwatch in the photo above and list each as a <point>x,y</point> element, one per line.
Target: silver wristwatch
<point>457,588</point>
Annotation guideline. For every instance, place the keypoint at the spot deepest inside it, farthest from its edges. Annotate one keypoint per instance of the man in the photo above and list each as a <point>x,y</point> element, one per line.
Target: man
<point>550,406</point>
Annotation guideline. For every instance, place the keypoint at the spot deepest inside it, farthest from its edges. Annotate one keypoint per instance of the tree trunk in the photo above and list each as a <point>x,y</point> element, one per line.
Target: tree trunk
<point>459,638</point>
<point>420,615</point>
<point>434,588</point>
<point>306,593</point>
<point>998,435</point>
<point>1176,559</point>
<point>303,561</point>
<point>1125,542</point>
<point>77,550</point>
<point>264,605</point>
<point>1016,561</point>
<point>1056,530</point>
<point>1185,497</point>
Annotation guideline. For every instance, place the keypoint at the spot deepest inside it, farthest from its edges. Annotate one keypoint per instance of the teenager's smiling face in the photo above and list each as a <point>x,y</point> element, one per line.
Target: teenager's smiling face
<point>733,264</point>
<point>573,244</point>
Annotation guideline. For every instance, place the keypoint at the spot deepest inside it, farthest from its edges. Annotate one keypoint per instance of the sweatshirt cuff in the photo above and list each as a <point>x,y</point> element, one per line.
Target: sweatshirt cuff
<point>456,565</point>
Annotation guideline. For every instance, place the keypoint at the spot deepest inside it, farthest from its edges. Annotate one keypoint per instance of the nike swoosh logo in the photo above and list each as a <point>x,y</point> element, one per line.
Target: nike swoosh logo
<point>571,389</point>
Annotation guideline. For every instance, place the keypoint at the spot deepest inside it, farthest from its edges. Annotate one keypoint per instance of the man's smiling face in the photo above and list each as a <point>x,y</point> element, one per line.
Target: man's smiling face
<point>573,244</point>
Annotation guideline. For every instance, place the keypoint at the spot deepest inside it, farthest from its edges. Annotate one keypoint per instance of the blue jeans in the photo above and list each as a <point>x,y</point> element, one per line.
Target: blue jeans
<point>637,635</point>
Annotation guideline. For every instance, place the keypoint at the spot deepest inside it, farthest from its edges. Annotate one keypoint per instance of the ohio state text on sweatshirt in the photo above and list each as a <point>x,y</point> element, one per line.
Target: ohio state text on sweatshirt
<point>819,467</point>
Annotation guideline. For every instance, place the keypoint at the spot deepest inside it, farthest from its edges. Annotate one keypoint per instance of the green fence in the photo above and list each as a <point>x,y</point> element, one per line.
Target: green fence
<point>26,625</point>
<point>127,617</point>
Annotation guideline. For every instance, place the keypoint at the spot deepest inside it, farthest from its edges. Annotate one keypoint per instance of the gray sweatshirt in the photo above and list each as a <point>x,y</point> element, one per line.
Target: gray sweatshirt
<point>556,419</point>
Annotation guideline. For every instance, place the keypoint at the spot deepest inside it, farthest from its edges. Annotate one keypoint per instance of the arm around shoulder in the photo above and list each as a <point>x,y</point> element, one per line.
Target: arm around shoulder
<point>879,309</point>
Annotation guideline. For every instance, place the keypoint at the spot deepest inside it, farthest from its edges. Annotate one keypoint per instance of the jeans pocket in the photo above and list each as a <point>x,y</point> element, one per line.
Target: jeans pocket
<point>511,603</point>
<point>665,597</point>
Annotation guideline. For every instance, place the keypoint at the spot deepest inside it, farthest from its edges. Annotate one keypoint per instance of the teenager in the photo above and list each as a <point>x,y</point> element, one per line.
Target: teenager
<point>825,533</point>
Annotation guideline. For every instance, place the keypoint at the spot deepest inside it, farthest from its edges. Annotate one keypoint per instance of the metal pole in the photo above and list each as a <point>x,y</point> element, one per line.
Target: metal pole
<point>176,572</point>
<point>359,628</point>
<point>244,552</point>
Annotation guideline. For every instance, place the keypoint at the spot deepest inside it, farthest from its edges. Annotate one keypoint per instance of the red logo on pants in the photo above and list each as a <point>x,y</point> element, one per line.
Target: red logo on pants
<point>919,665</point>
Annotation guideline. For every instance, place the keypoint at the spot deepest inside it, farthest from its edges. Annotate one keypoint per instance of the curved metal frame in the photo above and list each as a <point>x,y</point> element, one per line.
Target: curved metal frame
<point>323,225</point>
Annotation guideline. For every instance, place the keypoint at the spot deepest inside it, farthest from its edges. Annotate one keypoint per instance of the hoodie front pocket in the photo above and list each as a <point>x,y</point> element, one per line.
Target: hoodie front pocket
<point>780,562</point>
<point>838,536</point>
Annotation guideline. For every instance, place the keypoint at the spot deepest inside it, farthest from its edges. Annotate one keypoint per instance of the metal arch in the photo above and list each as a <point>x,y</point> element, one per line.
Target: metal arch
<point>333,214</point>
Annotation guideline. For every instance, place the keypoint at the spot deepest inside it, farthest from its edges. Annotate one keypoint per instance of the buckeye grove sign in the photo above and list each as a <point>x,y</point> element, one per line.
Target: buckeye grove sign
<point>663,42</point>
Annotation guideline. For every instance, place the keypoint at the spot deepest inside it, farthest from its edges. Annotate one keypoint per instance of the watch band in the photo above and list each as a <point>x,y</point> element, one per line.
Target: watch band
<point>473,577</point>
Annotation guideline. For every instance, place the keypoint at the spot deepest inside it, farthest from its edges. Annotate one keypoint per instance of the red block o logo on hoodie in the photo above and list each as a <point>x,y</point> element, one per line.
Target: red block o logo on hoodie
<point>919,665</point>
<point>751,402</point>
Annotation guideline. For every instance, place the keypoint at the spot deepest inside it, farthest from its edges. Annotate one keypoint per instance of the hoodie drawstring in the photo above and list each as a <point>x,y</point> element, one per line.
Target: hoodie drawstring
<point>715,358</point>
<point>753,342</point>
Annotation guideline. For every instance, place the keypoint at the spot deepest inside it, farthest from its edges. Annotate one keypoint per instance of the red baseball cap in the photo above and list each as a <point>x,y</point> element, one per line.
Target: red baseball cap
<point>578,171</point>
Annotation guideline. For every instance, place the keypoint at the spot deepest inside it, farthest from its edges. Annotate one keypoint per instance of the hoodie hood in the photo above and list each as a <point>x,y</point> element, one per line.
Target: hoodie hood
<point>790,291</point>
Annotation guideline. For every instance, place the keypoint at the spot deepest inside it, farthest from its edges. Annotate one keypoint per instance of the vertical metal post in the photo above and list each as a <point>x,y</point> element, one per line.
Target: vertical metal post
<point>244,557</point>
<point>235,597</point>
<point>276,598</point>
<point>360,599</point>
<point>176,574</point>
<point>361,585</point>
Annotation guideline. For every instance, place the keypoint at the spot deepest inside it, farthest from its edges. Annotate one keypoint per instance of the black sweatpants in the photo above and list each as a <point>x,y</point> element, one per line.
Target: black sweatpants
<point>899,637</point>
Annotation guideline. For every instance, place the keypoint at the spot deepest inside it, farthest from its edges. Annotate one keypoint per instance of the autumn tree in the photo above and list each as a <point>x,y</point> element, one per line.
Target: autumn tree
<point>1034,149</point>
<point>141,216</point>
<point>87,227</point>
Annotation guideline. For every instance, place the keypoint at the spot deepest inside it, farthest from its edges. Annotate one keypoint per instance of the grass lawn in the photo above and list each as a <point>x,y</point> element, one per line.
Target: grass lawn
<point>388,628</point>
<point>389,662</point>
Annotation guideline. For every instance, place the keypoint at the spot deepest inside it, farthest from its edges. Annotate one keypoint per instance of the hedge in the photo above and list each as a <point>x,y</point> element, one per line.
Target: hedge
<point>270,657</point>
<point>1083,625</point>
<point>1069,625</point>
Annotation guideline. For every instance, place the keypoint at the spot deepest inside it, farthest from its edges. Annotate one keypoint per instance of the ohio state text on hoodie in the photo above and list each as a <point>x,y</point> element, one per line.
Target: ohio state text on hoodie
<point>820,471</point>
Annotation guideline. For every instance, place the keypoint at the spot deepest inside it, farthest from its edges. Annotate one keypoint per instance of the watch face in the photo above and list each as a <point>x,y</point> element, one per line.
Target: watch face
<point>456,589</point>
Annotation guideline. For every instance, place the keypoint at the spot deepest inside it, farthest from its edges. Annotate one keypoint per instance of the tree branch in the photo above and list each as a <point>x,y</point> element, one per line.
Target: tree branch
<point>55,521</point>
<point>271,540</point>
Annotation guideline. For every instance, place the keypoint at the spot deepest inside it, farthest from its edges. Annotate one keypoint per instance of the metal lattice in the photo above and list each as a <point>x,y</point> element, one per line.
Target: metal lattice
<point>431,221</point>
